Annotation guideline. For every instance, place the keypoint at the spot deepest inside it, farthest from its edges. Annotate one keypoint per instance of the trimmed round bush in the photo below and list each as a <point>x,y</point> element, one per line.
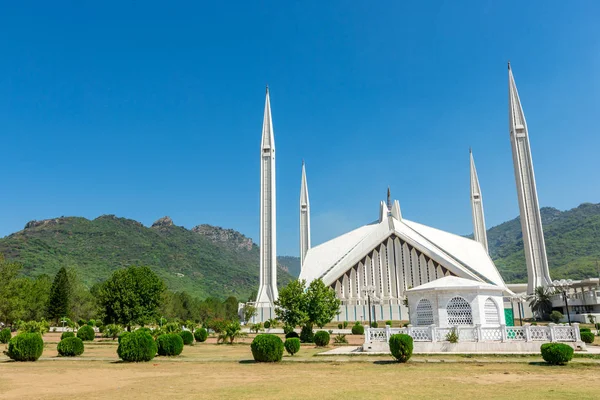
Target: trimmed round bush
<point>122,335</point>
<point>587,337</point>
<point>358,329</point>
<point>200,335</point>
<point>556,353</point>
<point>70,347</point>
<point>374,324</point>
<point>81,322</point>
<point>267,324</point>
<point>65,335</point>
<point>86,333</point>
<point>145,329</point>
<point>267,348</point>
<point>322,338</point>
<point>25,347</point>
<point>5,335</point>
<point>187,336</point>
<point>136,346</point>
<point>292,334</point>
<point>306,334</point>
<point>388,323</point>
<point>292,345</point>
<point>401,347</point>
<point>340,326</point>
<point>169,344</point>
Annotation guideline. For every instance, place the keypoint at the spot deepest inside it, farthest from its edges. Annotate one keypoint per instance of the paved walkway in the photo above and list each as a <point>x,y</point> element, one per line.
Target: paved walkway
<point>356,350</point>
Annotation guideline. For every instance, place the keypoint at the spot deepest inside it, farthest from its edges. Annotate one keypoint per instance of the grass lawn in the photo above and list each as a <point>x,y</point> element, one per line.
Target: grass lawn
<point>215,371</point>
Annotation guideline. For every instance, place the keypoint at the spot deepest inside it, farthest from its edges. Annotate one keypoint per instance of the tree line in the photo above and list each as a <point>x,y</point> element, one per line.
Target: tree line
<point>130,296</point>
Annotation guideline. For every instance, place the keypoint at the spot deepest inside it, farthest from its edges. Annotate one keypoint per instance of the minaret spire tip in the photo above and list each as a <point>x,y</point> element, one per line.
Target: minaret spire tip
<point>509,65</point>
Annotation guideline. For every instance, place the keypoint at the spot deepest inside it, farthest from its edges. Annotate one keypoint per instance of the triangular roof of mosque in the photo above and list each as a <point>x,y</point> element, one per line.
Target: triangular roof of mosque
<point>462,256</point>
<point>454,282</point>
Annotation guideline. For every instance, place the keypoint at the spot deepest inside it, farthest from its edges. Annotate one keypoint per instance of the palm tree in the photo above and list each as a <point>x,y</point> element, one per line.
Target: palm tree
<point>540,302</point>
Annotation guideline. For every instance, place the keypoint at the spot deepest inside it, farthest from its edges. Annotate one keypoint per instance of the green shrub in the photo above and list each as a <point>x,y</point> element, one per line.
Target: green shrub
<point>452,336</point>
<point>256,327</point>
<point>374,324</point>
<point>585,330</point>
<point>587,337</point>
<point>306,334</point>
<point>340,326</point>
<point>187,336</point>
<point>556,353</point>
<point>99,324</point>
<point>65,335</point>
<point>321,338</point>
<point>70,347</point>
<point>25,347</point>
<point>5,335</point>
<point>34,327</point>
<point>81,322</point>
<point>91,323</point>
<point>122,335</point>
<point>345,325</point>
<point>136,346</point>
<point>555,316</point>
<point>171,327</point>
<point>358,329</point>
<point>169,344</point>
<point>292,345</point>
<point>401,347</point>
<point>201,335</point>
<point>267,324</point>
<point>292,334</point>
<point>86,333</point>
<point>112,331</point>
<point>388,323</point>
<point>287,329</point>
<point>267,348</point>
<point>340,339</point>
<point>145,329</point>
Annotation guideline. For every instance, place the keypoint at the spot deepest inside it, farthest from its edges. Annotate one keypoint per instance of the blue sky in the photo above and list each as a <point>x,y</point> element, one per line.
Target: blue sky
<point>142,109</point>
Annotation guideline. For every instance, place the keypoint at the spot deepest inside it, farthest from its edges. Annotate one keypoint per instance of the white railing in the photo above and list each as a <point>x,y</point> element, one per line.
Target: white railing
<point>477,333</point>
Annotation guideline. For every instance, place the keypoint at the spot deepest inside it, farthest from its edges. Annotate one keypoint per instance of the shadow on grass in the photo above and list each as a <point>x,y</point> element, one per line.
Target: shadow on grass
<point>247,362</point>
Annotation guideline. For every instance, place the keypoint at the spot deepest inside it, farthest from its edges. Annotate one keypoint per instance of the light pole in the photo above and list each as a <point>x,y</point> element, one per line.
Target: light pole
<point>369,291</point>
<point>563,286</point>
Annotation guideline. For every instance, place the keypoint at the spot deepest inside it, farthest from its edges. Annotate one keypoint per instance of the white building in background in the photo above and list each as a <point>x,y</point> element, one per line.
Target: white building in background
<point>386,258</point>
<point>452,301</point>
<point>267,290</point>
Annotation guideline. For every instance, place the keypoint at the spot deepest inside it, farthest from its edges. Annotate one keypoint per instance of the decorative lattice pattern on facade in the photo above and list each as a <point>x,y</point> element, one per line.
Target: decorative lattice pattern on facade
<point>424,313</point>
<point>421,334</point>
<point>563,334</point>
<point>491,312</point>
<point>491,334</point>
<point>515,333</point>
<point>459,312</point>
<point>539,333</point>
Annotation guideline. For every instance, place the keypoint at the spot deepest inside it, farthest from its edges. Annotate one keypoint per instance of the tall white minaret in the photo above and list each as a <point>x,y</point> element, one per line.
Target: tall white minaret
<point>304,217</point>
<point>267,291</point>
<point>531,220</point>
<point>479,233</point>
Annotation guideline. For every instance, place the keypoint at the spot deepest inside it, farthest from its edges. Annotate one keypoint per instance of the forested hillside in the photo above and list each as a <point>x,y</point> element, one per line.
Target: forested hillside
<point>205,261</point>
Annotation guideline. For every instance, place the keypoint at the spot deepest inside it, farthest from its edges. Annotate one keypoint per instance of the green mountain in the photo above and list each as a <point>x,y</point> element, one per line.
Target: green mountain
<point>572,244</point>
<point>292,264</point>
<point>204,261</point>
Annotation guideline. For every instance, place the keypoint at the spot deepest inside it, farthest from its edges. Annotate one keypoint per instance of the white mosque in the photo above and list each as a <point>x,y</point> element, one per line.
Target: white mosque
<point>394,262</point>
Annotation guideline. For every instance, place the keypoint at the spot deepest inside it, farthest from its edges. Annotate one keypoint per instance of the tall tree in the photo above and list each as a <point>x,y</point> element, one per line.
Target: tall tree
<point>131,296</point>
<point>291,304</point>
<point>11,301</point>
<point>60,296</point>
<point>322,305</point>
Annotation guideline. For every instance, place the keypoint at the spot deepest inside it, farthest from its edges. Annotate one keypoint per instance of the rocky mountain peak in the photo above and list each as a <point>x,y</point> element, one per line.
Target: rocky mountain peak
<point>163,222</point>
<point>216,234</point>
